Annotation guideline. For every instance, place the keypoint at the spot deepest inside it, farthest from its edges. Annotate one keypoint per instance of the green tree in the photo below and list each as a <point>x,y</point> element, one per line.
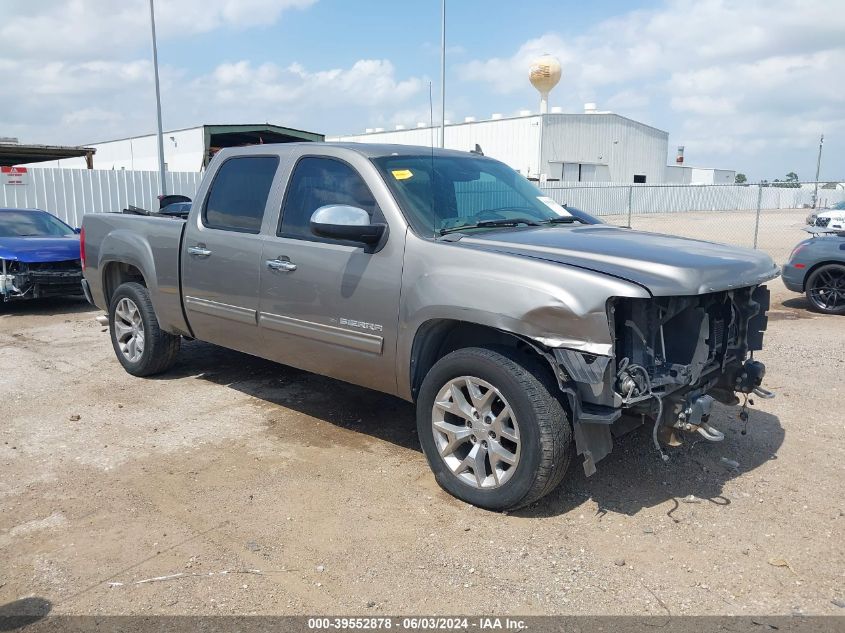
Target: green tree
<point>740,179</point>
<point>790,181</point>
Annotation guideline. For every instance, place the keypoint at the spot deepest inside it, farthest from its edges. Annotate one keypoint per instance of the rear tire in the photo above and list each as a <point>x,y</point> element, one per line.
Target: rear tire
<point>478,451</point>
<point>825,289</point>
<point>141,346</point>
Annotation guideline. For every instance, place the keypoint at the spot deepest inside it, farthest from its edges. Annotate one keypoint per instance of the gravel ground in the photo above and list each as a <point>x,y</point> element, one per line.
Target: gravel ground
<point>778,232</point>
<point>233,464</point>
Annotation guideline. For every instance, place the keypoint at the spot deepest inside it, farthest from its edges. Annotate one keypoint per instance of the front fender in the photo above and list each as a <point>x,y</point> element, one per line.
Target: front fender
<point>552,304</point>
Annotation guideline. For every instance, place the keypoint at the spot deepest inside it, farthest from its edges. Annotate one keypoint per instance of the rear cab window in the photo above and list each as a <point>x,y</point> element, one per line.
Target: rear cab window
<point>238,194</point>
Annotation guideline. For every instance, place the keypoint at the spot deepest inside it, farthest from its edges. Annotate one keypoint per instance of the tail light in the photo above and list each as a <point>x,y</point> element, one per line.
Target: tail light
<point>82,247</point>
<point>795,251</point>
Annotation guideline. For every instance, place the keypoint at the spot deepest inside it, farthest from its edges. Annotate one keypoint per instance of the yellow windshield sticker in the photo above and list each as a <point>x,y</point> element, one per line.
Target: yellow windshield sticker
<point>402,174</point>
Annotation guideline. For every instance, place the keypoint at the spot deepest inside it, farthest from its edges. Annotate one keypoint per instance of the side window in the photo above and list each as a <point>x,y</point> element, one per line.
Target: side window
<point>239,193</point>
<point>316,182</point>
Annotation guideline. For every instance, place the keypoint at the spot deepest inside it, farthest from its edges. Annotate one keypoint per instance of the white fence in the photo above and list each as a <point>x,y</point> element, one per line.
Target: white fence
<point>71,193</point>
<point>611,199</point>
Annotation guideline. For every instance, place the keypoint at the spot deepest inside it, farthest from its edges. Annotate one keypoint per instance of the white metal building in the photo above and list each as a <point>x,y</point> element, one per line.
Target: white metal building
<point>185,150</point>
<point>687,175</point>
<point>589,147</point>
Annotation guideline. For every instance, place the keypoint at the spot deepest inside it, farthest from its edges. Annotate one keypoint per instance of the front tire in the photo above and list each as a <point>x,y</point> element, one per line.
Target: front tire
<point>140,345</point>
<point>492,429</point>
<point>825,289</point>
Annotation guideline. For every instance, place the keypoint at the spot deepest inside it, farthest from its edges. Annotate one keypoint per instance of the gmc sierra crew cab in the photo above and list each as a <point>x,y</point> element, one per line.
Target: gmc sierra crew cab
<point>445,278</point>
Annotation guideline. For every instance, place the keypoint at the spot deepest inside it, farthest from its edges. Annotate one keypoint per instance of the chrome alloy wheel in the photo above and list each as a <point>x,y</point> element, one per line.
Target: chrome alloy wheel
<point>476,432</point>
<point>129,330</point>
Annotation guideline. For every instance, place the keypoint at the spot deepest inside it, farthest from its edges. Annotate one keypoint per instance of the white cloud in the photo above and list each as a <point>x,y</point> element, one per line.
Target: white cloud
<point>366,83</point>
<point>78,70</point>
<point>628,100</point>
<point>81,74</point>
<point>727,80</point>
<point>73,102</point>
<point>684,34</point>
<point>509,74</point>
<point>780,103</point>
<point>83,102</point>
<point>79,29</point>
<point>85,116</point>
<point>722,77</point>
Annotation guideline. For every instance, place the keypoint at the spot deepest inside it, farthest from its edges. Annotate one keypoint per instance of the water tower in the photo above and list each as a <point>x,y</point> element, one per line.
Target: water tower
<point>544,73</point>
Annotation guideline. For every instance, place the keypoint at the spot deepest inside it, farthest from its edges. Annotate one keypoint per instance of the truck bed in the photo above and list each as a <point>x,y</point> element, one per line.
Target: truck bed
<point>150,245</point>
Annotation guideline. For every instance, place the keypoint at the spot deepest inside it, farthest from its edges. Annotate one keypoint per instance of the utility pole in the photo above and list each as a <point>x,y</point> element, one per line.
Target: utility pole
<point>818,167</point>
<point>443,74</point>
<point>161,169</point>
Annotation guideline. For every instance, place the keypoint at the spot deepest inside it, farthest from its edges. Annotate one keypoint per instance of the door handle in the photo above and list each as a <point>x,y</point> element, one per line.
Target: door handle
<point>199,250</point>
<point>282,265</point>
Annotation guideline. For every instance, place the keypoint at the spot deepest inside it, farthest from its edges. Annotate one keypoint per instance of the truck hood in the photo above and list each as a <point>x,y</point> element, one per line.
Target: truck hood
<point>33,250</point>
<point>663,264</point>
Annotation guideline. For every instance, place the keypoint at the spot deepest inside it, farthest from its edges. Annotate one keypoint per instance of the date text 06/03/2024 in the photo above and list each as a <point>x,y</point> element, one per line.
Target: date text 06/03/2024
<point>416,623</point>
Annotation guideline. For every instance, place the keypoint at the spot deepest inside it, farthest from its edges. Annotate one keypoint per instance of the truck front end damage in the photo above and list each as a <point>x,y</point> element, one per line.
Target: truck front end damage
<point>33,280</point>
<point>672,357</point>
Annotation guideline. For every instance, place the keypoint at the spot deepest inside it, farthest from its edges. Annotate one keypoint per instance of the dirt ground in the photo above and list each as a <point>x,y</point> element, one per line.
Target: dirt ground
<point>314,497</point>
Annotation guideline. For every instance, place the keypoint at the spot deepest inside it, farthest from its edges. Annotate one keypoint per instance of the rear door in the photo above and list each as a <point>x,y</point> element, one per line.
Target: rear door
<point>221,253</point>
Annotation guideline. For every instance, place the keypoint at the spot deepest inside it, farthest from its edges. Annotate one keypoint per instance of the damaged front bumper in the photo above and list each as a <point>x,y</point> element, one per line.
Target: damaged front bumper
<point>22,280</point>
<point>672,356</point>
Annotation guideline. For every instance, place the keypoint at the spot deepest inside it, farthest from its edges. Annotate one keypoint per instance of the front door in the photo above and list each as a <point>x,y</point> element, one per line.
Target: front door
<point>328,306</point>
<point>221,254</point>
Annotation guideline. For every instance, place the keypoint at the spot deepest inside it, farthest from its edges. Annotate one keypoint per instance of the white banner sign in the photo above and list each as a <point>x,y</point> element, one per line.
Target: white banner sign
<point>14,175</point>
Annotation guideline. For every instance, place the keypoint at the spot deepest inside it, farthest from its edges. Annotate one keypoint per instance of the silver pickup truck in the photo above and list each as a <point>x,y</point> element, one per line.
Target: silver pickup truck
<point>518,328</point>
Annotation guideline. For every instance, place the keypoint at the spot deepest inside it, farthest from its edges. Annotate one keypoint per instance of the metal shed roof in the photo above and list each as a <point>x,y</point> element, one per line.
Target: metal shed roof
<point>252,132</point>
<point>216,137</point>
<point>12,154</point>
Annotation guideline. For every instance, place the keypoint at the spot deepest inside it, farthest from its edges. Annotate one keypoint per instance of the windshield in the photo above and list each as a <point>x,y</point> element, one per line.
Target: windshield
<point>443,193</point>
<point>32,224</point>
<point>839,206</point>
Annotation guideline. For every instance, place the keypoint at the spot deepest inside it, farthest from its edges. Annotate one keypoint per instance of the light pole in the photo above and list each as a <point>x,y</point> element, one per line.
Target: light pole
<point>818,167</point>
<point>161,169</point>
<point>443,74</point>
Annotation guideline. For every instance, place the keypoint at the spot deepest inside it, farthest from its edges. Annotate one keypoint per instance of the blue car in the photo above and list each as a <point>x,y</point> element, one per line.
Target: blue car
<point>817,268</point>
<point>39,256</point>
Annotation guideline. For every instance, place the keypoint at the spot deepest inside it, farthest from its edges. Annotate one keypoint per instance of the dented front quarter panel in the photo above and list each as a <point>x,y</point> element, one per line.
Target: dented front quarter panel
<point>551,304</point>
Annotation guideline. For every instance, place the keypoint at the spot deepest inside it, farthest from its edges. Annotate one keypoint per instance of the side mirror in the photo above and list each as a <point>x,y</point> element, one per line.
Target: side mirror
<point>163,201</point>
<point>344,222</point>
<point>77,231</point>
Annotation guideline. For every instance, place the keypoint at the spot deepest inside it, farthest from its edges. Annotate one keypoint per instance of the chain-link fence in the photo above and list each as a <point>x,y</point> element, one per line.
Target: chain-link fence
<point>768,216</point>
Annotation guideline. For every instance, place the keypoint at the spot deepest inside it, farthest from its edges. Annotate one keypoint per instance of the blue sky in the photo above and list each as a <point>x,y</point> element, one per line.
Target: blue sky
<point>743,85</point>
<point>331,33</point>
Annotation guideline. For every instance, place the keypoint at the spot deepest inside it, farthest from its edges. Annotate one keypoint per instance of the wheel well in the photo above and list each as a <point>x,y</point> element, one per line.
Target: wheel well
<point>434,339</point>
<point>819,265</point>
<point>117,273</point>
